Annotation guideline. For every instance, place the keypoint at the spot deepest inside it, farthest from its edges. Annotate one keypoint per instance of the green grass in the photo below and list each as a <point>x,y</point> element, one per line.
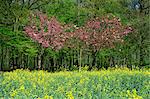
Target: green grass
<point>104,84</point>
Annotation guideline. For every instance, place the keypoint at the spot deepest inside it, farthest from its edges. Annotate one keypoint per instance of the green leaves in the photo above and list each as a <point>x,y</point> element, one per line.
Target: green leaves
<point>18,40</point>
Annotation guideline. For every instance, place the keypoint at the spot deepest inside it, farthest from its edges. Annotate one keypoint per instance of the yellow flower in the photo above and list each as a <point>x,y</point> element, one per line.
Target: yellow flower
<point>46,97</point>
<point>60,89</point>
<point>82,81</point>
<point>69,95</point>
<point>133,94</point>
<point>13,94</point>
<point>22,87</point>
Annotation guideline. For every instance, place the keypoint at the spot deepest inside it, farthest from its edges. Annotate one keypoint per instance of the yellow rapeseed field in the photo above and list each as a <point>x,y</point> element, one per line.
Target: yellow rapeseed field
<point>103,84</point>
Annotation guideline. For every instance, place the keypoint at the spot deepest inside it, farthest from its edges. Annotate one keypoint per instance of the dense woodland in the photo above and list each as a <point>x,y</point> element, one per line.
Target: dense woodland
<point>59,35</point>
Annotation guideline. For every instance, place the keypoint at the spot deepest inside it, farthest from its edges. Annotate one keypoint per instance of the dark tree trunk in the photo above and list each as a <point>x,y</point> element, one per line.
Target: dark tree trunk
<point>141,51</point>
<point>94,59</point>
<point>1,68</point>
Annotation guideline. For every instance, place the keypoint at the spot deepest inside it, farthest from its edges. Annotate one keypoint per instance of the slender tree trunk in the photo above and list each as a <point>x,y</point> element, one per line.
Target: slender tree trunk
<point>40,58</point>
<point>141,52</point>
<point>22,60</point>
<point>72,60</point>
<point>16,25</point>
<point>94,58</point>
<point>1,59</point>
<point>110,61</point>
<point>54,61</point>
<point>7,57</point>
<point>80,60</point>
<point>39,61</point>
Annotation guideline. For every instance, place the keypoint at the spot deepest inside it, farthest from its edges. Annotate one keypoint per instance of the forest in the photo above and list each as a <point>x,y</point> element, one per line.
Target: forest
<point>57,35</point>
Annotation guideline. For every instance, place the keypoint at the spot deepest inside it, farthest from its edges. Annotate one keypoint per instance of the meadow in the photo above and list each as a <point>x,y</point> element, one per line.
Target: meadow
<point>103,84</point>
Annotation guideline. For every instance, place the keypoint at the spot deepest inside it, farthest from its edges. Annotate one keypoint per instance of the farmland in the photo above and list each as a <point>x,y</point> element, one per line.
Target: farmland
<point>74,49</point>
<point>104,84</point>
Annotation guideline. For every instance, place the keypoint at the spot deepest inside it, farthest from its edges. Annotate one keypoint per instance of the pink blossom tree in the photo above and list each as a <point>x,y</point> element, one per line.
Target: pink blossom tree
<point>49,33</point>
<point>95,34</point>
<point>100,33</point>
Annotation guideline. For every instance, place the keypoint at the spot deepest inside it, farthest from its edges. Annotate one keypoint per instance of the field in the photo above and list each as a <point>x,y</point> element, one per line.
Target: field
<point>104,84</point>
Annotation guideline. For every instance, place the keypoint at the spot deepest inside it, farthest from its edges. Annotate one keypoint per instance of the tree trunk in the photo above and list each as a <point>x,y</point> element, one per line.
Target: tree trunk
<point>22,60</point>
<point>141,49</point>
<point>40,58</point>
<point>80,60</point>
<point>94,58</point>
<point>1,68</point>
<point>16,25</point>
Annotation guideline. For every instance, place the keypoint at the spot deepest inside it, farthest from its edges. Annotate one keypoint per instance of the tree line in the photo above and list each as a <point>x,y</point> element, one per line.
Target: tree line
<point>77,47</point>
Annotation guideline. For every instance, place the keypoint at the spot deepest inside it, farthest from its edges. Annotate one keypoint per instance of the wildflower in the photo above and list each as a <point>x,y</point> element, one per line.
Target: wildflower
<point>48,97</point>
<point>13,94</point>
<point>22,87</point>
<point>69,95</point>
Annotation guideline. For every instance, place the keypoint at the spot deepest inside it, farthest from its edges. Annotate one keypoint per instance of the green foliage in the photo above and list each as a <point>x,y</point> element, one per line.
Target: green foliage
<point>66,11</point>
<point>69,11</point>
<point>14,14</point>
<point>18,41</point>
<point>104,84</point>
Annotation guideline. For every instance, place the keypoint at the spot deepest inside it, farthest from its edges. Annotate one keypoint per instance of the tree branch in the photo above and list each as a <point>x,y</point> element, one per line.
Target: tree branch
<point>32,4</point>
